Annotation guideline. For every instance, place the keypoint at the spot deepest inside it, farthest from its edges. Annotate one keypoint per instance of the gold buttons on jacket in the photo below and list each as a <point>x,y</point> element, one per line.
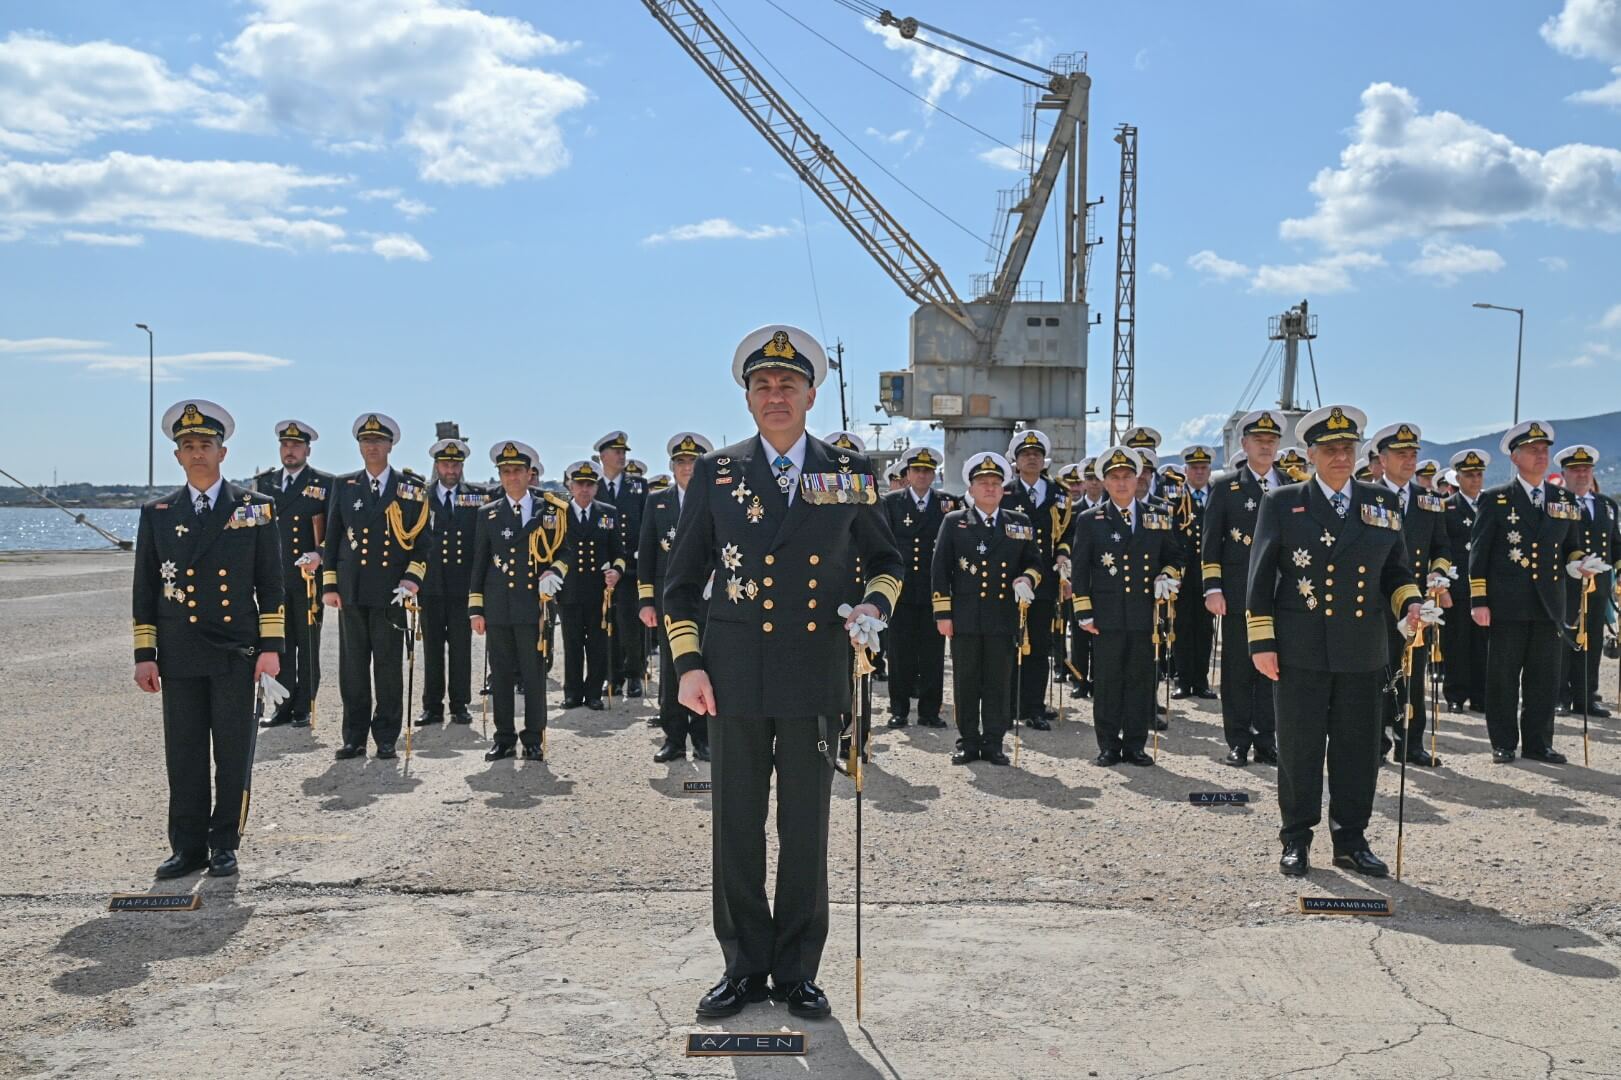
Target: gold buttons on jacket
<point>770,560</point>
<point>766,627</point>
<point>814,559</point>
<point>222,572</point>
<point>190,572</point>
<point>767,582</point>
<point>810,626</point>
<point>191,588</point>
<point>769,604</point>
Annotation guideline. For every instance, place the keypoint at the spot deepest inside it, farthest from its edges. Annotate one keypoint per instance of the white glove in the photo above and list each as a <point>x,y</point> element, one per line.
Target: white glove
<point>1594,565</point>
<point>401,595</point>
<point>1064,568</point>
<point>309,558</point>
<point>1166,587</point>
<point>1574,567</point>
<point>275,692</point>
<point>1429,613</point>
<point>709,586</point>
<point>865,630</point>
<point>1437,580</point>
<point>550,585</point>
<point>1022,590</point>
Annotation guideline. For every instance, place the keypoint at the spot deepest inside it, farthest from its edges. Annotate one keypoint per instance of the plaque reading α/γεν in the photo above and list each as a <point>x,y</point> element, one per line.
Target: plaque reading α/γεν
<point>150,902</point>
<point>698,785</point>
<point>745,1044</point>
<point>1344,905</point>
<point>1219,798</point>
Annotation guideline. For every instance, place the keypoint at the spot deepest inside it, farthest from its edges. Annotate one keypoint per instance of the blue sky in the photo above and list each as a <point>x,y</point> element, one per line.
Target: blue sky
<point>543,221</point>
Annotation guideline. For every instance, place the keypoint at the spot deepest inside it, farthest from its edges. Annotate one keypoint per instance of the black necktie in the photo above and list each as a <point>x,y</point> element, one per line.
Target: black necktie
<point>376,487</point>
<point>202,504</point>
<point>1536,497</point>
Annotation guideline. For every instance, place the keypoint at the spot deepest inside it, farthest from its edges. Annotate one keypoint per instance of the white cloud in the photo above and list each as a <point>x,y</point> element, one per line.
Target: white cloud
<point>1004,157</point>
<point>1554,263</point>
<point>717,229</point>
<point>1207,262</point>
<point>1329,274</point>
<point>1140,60</point>
<point>892,137</point>
<point>1199,429</point>
<point>935,73</point>
<point>96,239</point>
<point>1611,319</point>
<point>399,246</point>
<point>374,194</point>
<point>1448,261</point>
<point>445,81</point>
<point>1581,360</point>
<point>243,201</point>
<point>47,344</point>
<point>412,208</point>
<point>1589,29</point>
<point>55,96</point>
<point>170,367</point>
<point>1412,174</point>
<point>1159,269</point>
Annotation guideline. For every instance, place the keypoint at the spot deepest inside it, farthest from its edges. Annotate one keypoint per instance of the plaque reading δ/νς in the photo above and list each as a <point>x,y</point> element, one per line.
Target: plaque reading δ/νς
<point>1344,905</point>
<point>692,786</point>
<point>151,902</point>
<point>745,1044</point>
<point>1219,798</point>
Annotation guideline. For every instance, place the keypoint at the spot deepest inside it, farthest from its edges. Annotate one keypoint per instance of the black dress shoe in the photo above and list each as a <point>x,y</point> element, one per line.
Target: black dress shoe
<point>385,751</point>
<point>1501,756</point>
<point>729,996</point>
<point>1039,723</point>
<point>995,757</point>
<point>1086,689</point>
<point>898,720</point>
<point>572,703</point>
<point>1160,710</point>
<point>1295,861</point>
<point>1266,755</point>
<point>1596,710</point>
<point>1362,861</point>
<point>301,720</point>
<point>277,718</point>
<point>222,863</point>
<point>499,751</point>
<point>533,752</point>
<point>349,750</point>
<point>804,998</point>
<point>633,688</point>
<point>461,716</point>
<point>180,864</point>
<point>430,718</point>
<point>1045,713</point>
<point>1136,757</point>
<point>669,752</point>
<point>595,706</point>
<point>1206,693</point>
<point>963,757</point>
<point>1236,757</point>
<point>930,721</point>
<point>1420,756</point>
<point>1182,694</point>
<point>1106,758</point>
<point>1549,756</point>
<point>700,750</point>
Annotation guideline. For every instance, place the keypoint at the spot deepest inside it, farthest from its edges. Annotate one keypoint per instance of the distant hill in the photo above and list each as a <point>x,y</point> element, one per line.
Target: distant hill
<point>1602,433</point>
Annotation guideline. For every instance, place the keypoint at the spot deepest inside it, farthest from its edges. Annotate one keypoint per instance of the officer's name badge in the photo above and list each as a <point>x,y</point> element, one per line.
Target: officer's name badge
<point>1019,532</point>
<point>1433,503</point>
<point>1156,521</point>
<point>1379,517</point>
<point>1564,511</point>
<point>246,517</point>
<point>315,491</point>
<point>823,489</point>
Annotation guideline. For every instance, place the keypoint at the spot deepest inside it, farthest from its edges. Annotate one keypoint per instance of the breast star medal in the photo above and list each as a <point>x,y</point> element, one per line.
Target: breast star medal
<point>1302,558</point>
<point>963,563</point>
<point>731,557</point>
<point>734,589</point>
<point>1238,534</point>
<point>1514,536</point>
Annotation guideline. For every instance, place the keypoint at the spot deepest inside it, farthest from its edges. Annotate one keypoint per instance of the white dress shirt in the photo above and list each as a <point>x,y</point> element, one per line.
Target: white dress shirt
<point>213,493</point>
<point>381,479</point>
<point>795,454</point>
<point>524,507</point>
<point>288,479</point>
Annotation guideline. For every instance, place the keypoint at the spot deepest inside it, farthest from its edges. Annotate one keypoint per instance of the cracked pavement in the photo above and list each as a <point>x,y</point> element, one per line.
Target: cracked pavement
<point>456,919</point>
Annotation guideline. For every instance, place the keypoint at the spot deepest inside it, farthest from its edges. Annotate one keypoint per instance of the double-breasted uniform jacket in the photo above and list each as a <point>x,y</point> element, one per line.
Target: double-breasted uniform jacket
<point>774,644</point>
<point>450,538</point>
<point>661,520</point>
<point>593,545</point>
<point>373,543</point>
<point>1429,549</point>
<point>1460,522</point>
<point>300,515</point>
<point>1114,566</point>
<point>630,504</point>
<point>1601,536</point>
<point>1517,553</point>
<point>1048,521</point>
<point>1320,584</point>
<point>1227,533</point>
<point>207,587</point>
<point>974,568</point>
<point>510,557</point>
<point>915,533</point>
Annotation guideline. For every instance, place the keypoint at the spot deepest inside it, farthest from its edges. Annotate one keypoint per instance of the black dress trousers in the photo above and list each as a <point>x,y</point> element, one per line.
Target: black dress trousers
<point>1124,679</point>
<point>1248,716</point>
<point>981,670</point>
<point>585,651</point>
<point>1339,712</point>
<point>1522,676</point>
<point>917,661</point>
<point>204,716</point>
<point>371,643</point>
<point>446,630</point>
<point>514,658</point>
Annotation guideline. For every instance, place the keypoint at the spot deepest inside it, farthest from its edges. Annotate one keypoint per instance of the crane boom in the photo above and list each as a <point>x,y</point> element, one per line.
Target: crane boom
<point>874,227</point>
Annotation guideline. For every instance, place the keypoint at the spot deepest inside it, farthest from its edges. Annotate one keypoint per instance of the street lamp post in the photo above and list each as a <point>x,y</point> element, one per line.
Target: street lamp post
<point>1519,350</point>
<point>151,398</point>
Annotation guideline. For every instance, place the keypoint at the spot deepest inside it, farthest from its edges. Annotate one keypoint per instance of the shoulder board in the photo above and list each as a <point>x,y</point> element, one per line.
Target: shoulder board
<point>413,474</point>
<point>824,489</point>
<point>1236,485</point>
